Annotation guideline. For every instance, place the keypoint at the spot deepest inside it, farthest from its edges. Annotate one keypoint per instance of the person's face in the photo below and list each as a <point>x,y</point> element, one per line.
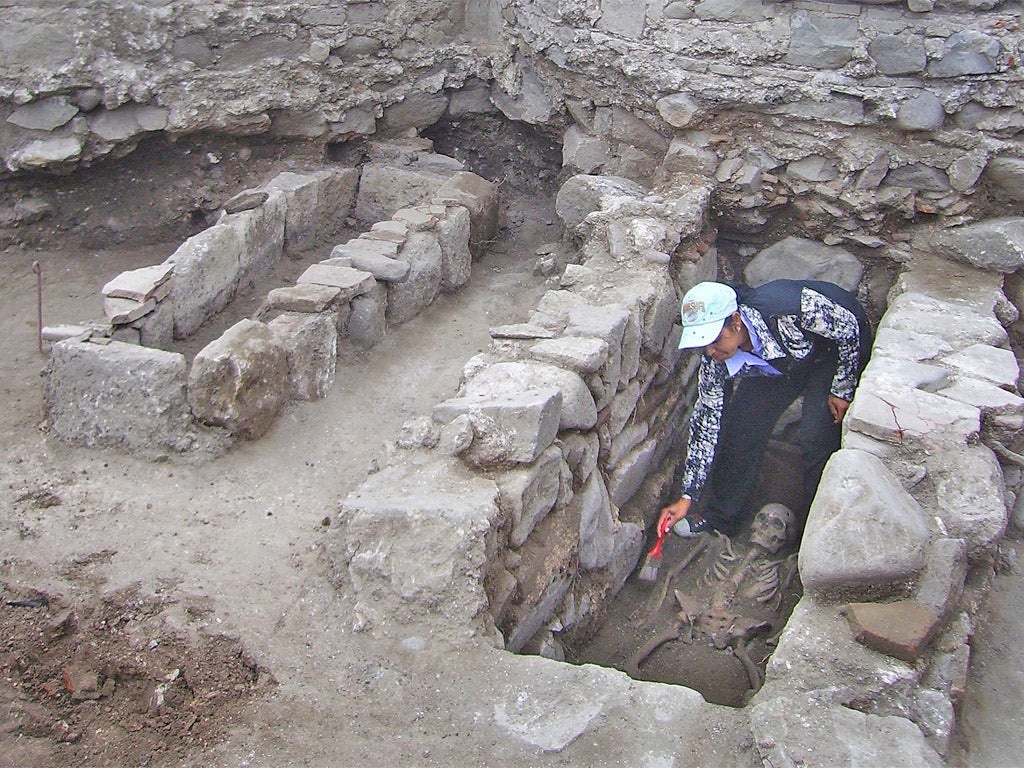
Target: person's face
<point>728,340</point>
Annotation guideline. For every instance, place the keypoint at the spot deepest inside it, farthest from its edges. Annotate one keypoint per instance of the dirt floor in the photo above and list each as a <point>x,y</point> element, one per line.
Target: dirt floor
<point>153,610</point>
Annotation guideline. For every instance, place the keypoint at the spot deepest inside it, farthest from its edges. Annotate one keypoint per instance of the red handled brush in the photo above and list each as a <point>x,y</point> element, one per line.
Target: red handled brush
<point>652,563</point>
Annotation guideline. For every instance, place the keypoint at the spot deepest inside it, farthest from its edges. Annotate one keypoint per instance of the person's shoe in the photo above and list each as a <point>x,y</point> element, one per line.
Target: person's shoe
<point>690,526</point>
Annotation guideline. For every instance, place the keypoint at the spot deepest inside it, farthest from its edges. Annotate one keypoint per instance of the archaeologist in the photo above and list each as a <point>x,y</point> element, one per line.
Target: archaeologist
<point>763,347</point>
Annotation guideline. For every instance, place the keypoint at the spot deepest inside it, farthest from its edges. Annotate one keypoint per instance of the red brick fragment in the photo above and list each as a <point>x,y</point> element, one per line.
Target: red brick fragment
<point>901,629</point>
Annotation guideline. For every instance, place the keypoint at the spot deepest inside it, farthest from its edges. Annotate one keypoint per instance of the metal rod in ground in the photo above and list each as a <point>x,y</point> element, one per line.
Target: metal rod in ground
<point>38,270</point>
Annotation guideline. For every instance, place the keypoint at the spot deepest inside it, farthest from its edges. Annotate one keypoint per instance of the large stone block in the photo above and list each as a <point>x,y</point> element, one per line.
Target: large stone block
<point>967,483</point>
<point>578,410</point>
<point>815,731</point>
<point>117,394</point>
<point>510,426</point>
<point>480,197</point>
<point>406,299</point>
<point>261,232</point>
<point>414,543</point>
<point>367,323</point>
<point>385,188</point>
<point>528,494</point>
<point>865,534</point>
<point>996,244</point>
<point>316,204</point>
<point>240,381</point>
<point>597,523</point>
<point>206,268</point>
<point>582,195</point>
<point>453,235</point>
<point>311,344</point>
<point>797,258</point>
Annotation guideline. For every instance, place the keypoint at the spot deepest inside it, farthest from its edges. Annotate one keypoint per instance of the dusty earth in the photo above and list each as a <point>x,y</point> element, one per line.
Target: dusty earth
<point>176,611</point>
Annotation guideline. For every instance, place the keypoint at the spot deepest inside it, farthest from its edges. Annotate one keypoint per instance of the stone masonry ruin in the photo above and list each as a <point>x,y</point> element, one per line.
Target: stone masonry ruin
<point>872,143</point>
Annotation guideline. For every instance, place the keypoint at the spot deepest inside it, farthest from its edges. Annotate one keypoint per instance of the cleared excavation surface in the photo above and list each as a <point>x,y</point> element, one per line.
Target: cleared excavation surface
<point>196,585</point>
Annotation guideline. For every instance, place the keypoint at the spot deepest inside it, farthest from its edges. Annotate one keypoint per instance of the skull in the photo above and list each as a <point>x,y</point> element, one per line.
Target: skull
<point>772,526</point>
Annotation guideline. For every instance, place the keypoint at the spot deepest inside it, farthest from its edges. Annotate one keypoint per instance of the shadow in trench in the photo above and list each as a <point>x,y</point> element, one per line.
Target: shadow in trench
<point>712,619</point>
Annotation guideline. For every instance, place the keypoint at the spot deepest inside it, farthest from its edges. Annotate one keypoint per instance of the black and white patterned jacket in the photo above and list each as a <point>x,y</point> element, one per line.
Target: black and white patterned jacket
<point>793,320</point>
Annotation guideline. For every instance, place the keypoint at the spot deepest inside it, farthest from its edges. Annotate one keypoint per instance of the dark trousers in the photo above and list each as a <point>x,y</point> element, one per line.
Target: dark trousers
<point>748,421</point>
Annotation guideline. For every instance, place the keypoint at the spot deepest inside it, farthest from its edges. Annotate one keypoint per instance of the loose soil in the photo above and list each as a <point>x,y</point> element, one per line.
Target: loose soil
<point>161,613</point>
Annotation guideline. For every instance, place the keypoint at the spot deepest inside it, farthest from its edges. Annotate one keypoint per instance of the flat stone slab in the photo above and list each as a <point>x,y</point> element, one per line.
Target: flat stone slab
<point>521,331</point>
<point>810,730</point>
<point>982,361</point>
<point>305,297</point>
<point>351,282</point>
<point>142,284</point>
<point>578,353</point>
<point>124,311</point>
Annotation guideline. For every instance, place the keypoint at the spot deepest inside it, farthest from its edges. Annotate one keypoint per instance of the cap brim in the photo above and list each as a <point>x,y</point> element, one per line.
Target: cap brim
<point>700,335</point>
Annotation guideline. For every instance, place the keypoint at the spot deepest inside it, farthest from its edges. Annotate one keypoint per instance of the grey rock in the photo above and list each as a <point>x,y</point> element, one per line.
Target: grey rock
<point>821,41</point>
<point>923,112</point>
<point>310,342</point>
<point>582,194</point>
<point>814,169</point>
<point>350,282</point>
<point>454,235</point>
<point>968,480</point>
<point>420,432</point>
<point>967,52</point>
<point>864,532</point>
<point>367,323</point>
<point>125,122</point>
<point>631,472</point>
<point>623,18</point>
<point>510,426</point>
<point>737,11</point>
<point>1007,173</point>
<point>415,543</point>
<point>305,297</point>
<point>381,267</point>
<point>801,730</point>
<point>902,54</point>
<point>194,48</point>
<point>240,380</point>
<point>316,203</point>
<point>920,177</point>
<point>406,299</point>
<point>530,493</point>
<point>577,407</point>
<point>583,152</point>
<point>40,153</point>
<point>44,114</point>
<point>136,396</point>
<point>996,244</point>
<point>246,200</point>
<point>480,197</point>
<point>152,282</point>
<point>597,523</point>
<point>797,258</point>
<point>982,361</point>
<point>578,353</point>
<point>206,270</point>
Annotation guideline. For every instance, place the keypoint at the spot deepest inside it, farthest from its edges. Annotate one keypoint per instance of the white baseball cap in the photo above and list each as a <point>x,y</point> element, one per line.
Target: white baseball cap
<point>704,310</point>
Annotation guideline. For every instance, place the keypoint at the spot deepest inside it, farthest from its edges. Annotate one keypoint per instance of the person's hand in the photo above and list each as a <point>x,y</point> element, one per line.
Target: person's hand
<point>672,514</point>
<point>838,407</point>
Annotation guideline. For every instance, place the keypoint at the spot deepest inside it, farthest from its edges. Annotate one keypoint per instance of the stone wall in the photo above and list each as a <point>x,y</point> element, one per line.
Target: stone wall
<point>834,120</point>
<point>516,511</point>
<point>830,120</point>
<point>526,493</point>
<point>103,388</point>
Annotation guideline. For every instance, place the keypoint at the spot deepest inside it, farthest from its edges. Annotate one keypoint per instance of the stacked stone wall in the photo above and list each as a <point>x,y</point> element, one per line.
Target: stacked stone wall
<point>103,388</point>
